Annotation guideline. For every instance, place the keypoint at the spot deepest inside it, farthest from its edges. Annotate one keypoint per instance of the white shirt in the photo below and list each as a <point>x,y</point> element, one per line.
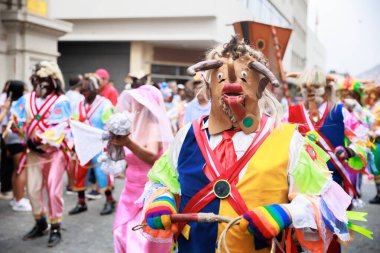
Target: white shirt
<point>75,98</point>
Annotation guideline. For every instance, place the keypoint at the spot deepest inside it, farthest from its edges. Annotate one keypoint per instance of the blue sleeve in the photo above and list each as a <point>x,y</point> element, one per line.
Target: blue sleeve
<point>18,108</point>
<point>60,112</point>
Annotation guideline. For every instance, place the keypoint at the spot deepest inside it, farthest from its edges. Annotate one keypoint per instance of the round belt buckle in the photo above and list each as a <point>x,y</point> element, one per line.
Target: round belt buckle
<point>222,189</point>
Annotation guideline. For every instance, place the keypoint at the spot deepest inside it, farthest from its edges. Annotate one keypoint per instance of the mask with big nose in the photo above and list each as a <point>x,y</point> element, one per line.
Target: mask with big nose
<point>236,85</point>
<point>316,88</point>
<point>313,93</point>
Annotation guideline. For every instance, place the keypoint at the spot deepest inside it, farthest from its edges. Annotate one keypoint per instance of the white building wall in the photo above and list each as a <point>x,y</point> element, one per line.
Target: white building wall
<point>284,7</point>
<point>298,60</point>
<point>193,24</point>
<point>3,51</point>
<point>26,39</point>
<point>105,9</point>
<point>316,52</point>
<point>196,24</point>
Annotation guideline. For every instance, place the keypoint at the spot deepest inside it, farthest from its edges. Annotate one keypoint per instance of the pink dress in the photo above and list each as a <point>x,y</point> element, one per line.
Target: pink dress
<point>129,214</point>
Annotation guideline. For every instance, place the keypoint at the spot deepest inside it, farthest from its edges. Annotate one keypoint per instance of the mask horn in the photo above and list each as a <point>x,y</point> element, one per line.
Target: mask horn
<point>293,74</point>
<point>330,78</point>
<point>367,82</point>
<point>268,76</point>
<point>204,65</point>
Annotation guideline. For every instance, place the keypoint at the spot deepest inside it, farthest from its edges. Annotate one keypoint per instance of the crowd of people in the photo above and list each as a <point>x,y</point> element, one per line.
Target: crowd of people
<point>31,161</point>
<point>220,143</point>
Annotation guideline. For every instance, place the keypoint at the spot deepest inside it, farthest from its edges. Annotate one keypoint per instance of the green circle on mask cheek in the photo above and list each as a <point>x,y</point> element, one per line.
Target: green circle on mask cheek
<point>247,121</point>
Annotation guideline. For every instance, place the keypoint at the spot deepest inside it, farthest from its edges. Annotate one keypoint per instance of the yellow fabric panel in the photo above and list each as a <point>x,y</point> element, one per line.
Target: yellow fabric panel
<point>264,183</point>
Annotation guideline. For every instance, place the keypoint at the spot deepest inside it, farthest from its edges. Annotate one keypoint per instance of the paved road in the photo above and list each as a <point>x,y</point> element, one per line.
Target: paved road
<point>87,232</point>
<point>91,233</point>
<point>362,244</point>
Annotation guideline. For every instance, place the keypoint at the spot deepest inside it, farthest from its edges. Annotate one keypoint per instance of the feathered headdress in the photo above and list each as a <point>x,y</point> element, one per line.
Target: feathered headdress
<point>50,69</point>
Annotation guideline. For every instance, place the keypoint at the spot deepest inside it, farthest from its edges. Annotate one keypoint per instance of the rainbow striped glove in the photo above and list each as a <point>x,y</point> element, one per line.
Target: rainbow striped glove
<point>157,214</point>
<point>265,222</point>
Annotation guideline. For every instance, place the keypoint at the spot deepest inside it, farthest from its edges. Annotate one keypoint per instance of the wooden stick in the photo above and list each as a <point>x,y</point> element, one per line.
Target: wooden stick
<point>280,66</point>
<point>199,217</point>
<point>210,217</point>
<point>192,217</point>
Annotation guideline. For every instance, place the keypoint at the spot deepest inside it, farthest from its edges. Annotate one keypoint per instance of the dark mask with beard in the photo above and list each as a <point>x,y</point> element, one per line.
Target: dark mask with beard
<point>44,86</point>
<point>137,82</point>
<point>46,79</point>
<point>88,90</point>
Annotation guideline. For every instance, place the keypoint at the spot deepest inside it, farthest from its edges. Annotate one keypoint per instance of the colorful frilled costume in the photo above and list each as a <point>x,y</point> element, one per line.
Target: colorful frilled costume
<point>373,104</point>
<point>95,111</point>
<point>331,125</point>
<point>334,129</point>
<point>358,128</point>
<point>150,124</point>
<point>240,161</point>
<point>351,92</point>
<point>42,117</point>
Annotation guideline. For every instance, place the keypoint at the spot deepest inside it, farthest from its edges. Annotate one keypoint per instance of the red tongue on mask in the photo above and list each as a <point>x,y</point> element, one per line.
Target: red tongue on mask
<point>247,121</point>
<point>236,104</point>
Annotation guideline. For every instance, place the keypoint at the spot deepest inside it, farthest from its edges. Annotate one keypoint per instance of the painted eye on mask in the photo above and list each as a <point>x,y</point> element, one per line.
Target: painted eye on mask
<point>243,75</point>
<point>220,77</point>
<point>44,85</point>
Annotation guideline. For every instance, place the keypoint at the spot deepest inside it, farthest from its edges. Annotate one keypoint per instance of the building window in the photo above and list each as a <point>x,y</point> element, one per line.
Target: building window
<point>298,61</point>
<point>299,30</point>
<point>164,73</point>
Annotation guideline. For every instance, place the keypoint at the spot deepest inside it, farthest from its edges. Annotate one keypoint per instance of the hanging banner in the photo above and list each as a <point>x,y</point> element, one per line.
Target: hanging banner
<point>38,7</point>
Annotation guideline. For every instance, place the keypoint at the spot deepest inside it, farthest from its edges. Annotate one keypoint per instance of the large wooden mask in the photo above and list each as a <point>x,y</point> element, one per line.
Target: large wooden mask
<point>236,82</point>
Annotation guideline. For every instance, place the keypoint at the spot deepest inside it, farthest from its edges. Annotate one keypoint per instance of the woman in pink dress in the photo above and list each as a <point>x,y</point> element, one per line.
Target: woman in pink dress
<point>150,135</point>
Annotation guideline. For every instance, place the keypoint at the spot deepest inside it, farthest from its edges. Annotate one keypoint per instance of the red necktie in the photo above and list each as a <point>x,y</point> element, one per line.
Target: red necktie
<point>225,151</point>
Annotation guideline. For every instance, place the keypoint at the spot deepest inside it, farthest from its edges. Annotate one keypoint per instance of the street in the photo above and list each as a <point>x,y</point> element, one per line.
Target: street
<point>86,232</point>
<point>91,233</point>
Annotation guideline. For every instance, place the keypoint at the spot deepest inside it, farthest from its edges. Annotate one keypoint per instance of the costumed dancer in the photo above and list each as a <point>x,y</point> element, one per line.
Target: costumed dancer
<point>38,113</point>
<point>372,101</point>
<point>327,123</point>
<point>358,124</point>
<point>351,92</point>
<point>150,135</point>
<point>241,161</point>
<point>95,111</point>
<point>322,118</point>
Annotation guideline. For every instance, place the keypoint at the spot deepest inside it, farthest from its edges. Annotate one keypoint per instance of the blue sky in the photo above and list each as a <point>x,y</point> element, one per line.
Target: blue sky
<point>350,32</point>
